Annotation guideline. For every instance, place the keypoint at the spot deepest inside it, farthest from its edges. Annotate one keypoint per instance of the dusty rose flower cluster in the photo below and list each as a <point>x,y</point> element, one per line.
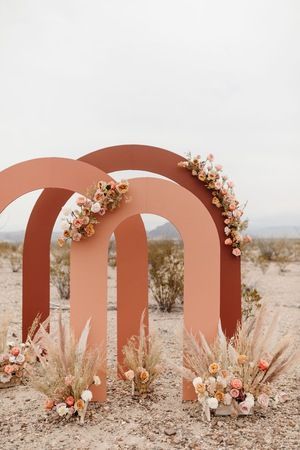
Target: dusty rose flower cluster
<point>70,405</point>
<point>223,197</point>
<point>80,223</point>
<point>12,364</point>
<point>239,388</point>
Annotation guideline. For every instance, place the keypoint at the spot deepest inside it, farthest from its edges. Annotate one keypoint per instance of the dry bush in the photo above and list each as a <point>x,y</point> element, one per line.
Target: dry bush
<point>251,300</point>
<point>12,252</point>
<point>166,273</point>
<point>142,358</point>
<point>60,270</point>
<point>279,251</point>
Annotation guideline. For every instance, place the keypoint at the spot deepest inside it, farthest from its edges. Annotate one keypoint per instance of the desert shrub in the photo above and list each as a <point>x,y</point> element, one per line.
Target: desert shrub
<point>279,251</point>
<point>166,273</point>
<point>283,253</point>
<point>251,301</point>
<point>60,271</point>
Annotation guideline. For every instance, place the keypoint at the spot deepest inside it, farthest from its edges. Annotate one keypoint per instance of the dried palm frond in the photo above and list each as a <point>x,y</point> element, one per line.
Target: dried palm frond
<point>67,365</point>
<point>142,358</point>
<point>4,325</point>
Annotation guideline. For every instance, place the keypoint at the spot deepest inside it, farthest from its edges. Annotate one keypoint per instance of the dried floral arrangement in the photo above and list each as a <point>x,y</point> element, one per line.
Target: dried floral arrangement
<point>67,368</point>
<point>142,358</point>
<point>234,376</point>
<point>101,198</point>
<point>223,197</point>
<point>14,356</point>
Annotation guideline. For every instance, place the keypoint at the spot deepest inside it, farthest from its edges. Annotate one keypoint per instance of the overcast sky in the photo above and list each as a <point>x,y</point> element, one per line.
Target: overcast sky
<point>201,76</point>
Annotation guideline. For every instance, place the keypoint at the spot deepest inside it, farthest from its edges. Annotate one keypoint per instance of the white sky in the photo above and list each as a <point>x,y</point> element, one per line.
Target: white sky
<point>205,76</point>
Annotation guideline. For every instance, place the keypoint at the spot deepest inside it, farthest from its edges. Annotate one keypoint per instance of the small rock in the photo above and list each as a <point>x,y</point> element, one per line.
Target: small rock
<point>170,431</point>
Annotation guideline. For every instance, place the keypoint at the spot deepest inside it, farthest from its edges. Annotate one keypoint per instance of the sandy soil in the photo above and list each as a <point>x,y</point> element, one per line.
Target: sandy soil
<point>162,421</point>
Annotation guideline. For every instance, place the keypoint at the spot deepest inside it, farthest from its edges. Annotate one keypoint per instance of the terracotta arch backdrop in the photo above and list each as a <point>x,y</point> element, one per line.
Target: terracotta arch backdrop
<point>201,264</point>
<point>126,157</point>
<point>73,176</point>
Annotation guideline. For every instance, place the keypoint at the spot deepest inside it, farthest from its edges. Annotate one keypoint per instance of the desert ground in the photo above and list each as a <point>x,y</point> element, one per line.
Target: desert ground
<point>162,421</point>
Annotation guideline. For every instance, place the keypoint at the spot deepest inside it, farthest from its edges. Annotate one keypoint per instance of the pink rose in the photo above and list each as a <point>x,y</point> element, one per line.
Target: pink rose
<point>236,383</point>
<point>263,365</point>
<point>218,185</point>
<point>80,201</point>
<point>228,241</point>
<point>102,211</point>
<point>218,167</point>
<point>263,400</point>
<point>236,252</point>
<point>230,183</point>
<point>227,221</point>
<point>244,407</point>
<point>77,223</point>
<point>70,400</point>
<point>15,351</point>
<point>227,231</point>
<point>76,237</point>
<point>210,157</point>
<point>234,393</point>
<point>232,206</point>
<point>224,191</point>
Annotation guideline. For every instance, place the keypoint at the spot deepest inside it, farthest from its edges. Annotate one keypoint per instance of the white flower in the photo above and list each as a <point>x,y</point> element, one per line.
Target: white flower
<point>5,377</point>
<point>212,402</point>
<point>12,359</point>
<point>86,395</point>
<point>227,399</point>
<point>61,409</point>
<point>250,399</point>
<point>129,375</point>
<point>20,358</point>
<point>66,211</point>
<point>263,400</point>
<point>244,408</point>
<point>64,225</point>
<point>97,380</point>
<point>196,381</point>
<point>96,207</point>
<point>222,381</point>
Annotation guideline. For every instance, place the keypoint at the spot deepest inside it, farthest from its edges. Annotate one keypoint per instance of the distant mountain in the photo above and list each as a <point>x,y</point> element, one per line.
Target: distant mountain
<point>165,231</point>
<point>18,236</point>
<point>168,231</point>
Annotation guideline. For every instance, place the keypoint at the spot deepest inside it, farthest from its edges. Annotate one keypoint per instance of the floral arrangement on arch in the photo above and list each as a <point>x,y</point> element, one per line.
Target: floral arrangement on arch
<point>231,377</point>
<point>66,370</point>
<point>142,358</point>
<point>101,198</point>
<point>223,197</point>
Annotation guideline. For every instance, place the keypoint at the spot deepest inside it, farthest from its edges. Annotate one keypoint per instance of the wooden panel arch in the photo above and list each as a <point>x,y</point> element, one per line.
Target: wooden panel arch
<point>201,264</point>
<point>126,157</point>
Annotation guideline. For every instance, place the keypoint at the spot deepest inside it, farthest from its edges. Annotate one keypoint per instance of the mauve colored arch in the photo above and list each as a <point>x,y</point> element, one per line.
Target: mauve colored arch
<point>134,157</point>
<point>75,176</point>
<point>202,275</point>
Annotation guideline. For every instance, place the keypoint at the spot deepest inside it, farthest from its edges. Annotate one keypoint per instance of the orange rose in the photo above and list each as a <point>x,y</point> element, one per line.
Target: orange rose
<point>214,368</point>
<point>90,230</point>
<point>219,395</point>
<point>144,375</point>
<point>79,405</point>
<point>49,404</point>
<point>263,365</point>
<point>200,388</point>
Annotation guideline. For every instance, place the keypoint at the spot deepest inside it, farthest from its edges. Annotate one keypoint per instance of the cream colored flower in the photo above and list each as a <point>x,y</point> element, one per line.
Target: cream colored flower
<point>212,403</point>
<point>86,395</point>
<point>96,380</point>
<point>61,409</point>
<point>129,375</point>
<point>197,380</point>
<point>214,368</point>
<point>227,399</point>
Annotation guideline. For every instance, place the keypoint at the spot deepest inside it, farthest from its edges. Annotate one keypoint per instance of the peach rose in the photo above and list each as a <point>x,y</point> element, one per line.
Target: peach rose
<point>129,375</point>
<point>236,383</point>
<point>214,368</point>
<point>219,395</point>
<point>230,183</point>
<point>242,359</point>
<point>232,206</point>
<point>218,167</point>
<point>80,201</point>
<point>49,404</point>
<point>77,223</point>
<point>9,369</point>
<point>15,351</point>
<point>123,187</point>
<point>79,405</point>
<point>70,400</point>
<point>210,157</point>
<point>144,375</point>
<point>234,393</point>
<point>76,237</point>
<point>228,241</point>
<point>98,196</point>
<point>263,365</point>
<point>236,252</point>
<point>200,388</point>
<point>90,230</point>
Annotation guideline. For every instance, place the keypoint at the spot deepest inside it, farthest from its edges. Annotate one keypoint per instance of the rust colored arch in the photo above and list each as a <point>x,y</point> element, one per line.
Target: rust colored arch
<point>126,157</point>
<point>72,176</point>
<point>201,264</point>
